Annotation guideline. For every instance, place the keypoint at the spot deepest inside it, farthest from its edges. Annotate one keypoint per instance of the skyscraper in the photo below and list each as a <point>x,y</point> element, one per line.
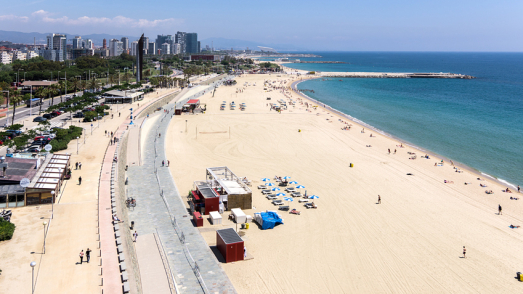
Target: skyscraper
<point>180,39</point>
<point>115,47</point>
<point>58,43</point>
<point>166,48</point>
<point>152,48</point>
<point>105,44</point>
<point>77,42</point>
<point>191,43</point>
<point>163,39</point>
<point>125,43</point>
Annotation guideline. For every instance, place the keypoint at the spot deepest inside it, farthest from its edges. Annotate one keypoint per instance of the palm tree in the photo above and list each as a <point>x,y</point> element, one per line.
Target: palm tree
<point>44,92</point>
<point>61,87</point>
<point>53,90</point>
<point>127,77</point>
<point>16,98</point>
<point>112,79</point>
<point>76,85</point>
<point>83,84</point>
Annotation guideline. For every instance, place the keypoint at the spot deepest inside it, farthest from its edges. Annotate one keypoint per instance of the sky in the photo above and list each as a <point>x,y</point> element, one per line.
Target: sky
<point>337,25</point>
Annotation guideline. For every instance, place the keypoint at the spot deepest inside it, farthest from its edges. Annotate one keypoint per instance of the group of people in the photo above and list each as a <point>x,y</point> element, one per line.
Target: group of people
<point>87,254</point>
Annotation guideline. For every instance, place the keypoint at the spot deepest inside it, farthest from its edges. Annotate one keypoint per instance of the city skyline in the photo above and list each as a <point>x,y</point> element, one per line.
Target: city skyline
<point>375,25</point>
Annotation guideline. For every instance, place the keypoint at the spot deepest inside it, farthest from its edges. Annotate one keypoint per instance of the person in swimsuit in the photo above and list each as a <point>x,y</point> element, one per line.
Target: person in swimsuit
<point>464,252</point>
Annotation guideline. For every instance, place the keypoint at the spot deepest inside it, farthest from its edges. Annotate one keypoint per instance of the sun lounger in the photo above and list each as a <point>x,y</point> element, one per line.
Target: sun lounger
<point>294,211</point>
<point>277,202</point>
<point>262,187</point>
<point>310,205</point>
<point>296,194</point>
<point>285,208</point>
<point>303,200</point>
<point>266,191</point>
<point>290,189</point>
<point>272,197</point>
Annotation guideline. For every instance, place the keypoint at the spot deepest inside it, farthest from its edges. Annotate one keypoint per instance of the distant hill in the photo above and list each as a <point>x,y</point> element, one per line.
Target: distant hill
<point>28,38</point>
<point>222,43</point>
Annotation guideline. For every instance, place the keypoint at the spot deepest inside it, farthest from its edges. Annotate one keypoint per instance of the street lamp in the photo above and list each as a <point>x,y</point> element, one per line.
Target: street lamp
<point>33,264</point>
<point>52,205</point>
<point>45,224</point>
<point>77,145</point>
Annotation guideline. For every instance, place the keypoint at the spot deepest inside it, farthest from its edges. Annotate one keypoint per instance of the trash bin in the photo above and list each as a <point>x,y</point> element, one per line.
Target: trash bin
<point>352,165</point>
<point>243,226</point>
<point>520,277</point>
<point>247,225</point>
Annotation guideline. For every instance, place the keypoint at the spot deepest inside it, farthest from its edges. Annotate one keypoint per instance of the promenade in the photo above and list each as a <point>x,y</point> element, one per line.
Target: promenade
<point>184,246</point>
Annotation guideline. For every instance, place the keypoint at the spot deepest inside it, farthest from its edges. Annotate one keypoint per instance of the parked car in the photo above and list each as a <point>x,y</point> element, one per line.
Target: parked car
<point>13,133</point>
<point>79,115</point>
<point>40,143</point>
<point>39,119</point>
<point>57,113</point>
<point>34,149</point>
<point>47,116</point>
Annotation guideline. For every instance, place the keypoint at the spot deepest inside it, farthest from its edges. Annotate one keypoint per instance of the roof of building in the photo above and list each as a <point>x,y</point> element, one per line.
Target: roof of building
<point>121,94</point>
<point>193,101</point>
<point>17,169</point>
<point>229,236</point>
<point>39,83</point>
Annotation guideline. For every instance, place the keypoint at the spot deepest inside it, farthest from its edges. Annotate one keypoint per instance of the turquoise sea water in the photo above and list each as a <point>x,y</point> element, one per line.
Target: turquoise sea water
<point>476,122</point>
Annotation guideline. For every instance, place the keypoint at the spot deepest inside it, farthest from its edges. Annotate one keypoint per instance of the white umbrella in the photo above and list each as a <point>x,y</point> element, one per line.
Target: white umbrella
<point>275,189</point>
<point>269,184</point>
<point>280,194</point>
<point>300,187</point>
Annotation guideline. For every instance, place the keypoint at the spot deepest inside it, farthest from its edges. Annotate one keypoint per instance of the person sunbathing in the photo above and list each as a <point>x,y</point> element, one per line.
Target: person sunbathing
<point>513,227</point>
<point>508,191</point>
<point>514,198</point>
<point>489,192</point>
<point>468,183</point>
<point>483,185</point>
<point>448,182</point>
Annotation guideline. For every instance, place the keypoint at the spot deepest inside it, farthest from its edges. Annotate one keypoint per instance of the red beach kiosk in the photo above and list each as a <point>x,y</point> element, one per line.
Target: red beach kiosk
<point>230,245</point>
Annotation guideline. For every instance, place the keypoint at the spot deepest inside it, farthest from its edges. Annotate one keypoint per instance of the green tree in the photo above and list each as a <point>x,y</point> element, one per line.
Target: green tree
<point>16,98</point>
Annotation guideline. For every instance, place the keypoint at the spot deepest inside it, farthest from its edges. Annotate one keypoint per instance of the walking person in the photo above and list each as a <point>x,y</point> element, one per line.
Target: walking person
<point>80,180</point>
<point>464,252</point>
<point>499,210</point>
<point>80,165</point>
<point>519,189</point>
<point>389,150</point>
<point>168,163</point>
<point>88,254</point>
<point>77,165</point>
<point>81,256</point>
<point>135,235</point>
<point>163,162</point>
<point>106,132</point>
<point>379,199</point>
<point>119,114</point>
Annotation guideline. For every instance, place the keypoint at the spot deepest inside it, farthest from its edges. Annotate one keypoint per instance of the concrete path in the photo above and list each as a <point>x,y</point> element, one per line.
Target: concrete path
<point>152,271</point>
<point>154,213</point>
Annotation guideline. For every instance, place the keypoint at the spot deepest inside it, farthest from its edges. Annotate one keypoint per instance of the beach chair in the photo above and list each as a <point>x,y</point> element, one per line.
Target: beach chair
<point>262,187</point>
<point>272,197</point>
<point>284,208</point>
<point>303,200</point>
<point>290,189</point>
<point>310,205</point>
<point>277,202</point>
<point>296,194</point>
<point>266,191</point>
<point>294,211</point>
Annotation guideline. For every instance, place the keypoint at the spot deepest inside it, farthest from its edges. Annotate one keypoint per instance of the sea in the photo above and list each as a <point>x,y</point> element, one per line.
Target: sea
<point>477,122</point>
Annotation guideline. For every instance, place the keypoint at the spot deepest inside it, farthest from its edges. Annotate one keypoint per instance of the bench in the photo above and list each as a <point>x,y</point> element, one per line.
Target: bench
<point>125,277</point>
<point>125,287</point>
<point>119,248</point>
<point>121,257</point>
<point>123,267</point>
<point>118,241</point>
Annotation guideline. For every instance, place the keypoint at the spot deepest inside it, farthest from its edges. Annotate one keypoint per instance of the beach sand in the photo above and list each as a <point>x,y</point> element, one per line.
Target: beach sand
<point>410,243</point>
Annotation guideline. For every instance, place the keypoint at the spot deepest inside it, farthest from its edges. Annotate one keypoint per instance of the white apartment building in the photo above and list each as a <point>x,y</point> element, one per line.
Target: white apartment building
<point>5,57</point>
<point>166,48</point>
<point>134,48</point>
<point>115,47</point>
<point>176,49</point>
<point>19,55</point>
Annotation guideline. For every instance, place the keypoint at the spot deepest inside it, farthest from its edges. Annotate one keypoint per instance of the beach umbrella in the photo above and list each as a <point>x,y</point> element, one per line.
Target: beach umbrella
<point>288,199</point>
<point>266,179</point>
<point>314,197</point>
<point>275,189</point>
<point>286,178</point>
<point>269,184</point>
<point>300,187</point>
<point>280,194</point>
<point>293,182</point>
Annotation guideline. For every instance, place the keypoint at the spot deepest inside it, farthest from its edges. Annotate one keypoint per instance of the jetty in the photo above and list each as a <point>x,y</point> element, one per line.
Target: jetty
<point>431,75</point>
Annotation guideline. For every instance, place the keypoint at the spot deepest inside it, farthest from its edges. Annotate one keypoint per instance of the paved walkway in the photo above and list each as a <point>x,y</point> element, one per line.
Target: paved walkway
<point>152,213</point>
<point>152,271</point>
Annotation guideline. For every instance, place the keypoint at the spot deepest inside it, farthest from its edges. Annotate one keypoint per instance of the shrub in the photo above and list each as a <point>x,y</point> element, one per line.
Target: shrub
<point>7,230</point>
<point>63,137</point>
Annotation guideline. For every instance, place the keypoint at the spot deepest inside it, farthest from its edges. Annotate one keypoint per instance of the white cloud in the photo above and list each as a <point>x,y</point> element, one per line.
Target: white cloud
<point>42,16</point>
<point>14,18</point>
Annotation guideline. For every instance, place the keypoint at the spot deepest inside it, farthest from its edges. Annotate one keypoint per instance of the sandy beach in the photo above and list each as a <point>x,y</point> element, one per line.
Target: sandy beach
<point>410,243</point>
